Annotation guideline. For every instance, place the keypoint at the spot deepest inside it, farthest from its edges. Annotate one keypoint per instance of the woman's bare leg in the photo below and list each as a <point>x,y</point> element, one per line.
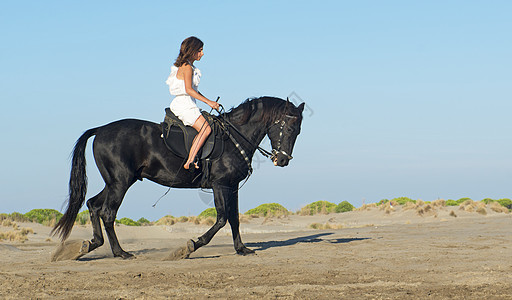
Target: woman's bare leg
<point>203,131</point>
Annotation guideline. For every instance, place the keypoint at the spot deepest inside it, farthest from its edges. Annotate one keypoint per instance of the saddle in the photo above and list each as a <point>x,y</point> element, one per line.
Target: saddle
<point>178,137</point>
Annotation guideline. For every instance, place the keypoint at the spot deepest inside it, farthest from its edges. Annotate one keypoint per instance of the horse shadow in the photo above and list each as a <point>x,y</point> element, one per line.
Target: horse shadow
<point>315,238</point>
<point>257,246</point>
<point>137,253</point>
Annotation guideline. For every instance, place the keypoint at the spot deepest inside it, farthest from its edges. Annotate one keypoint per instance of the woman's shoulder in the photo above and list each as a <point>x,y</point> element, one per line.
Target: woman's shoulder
<point>187,67</point>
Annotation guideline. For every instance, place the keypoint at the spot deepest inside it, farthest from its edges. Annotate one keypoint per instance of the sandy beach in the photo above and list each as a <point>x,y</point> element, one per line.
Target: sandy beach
<point>448,253</point>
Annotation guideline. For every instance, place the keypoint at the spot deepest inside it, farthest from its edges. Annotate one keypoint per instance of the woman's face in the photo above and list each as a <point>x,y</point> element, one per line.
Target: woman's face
<point>200,54</point>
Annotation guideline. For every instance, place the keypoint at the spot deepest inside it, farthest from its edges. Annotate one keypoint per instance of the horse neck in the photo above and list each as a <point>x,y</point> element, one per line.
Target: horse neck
<point>253,130</point>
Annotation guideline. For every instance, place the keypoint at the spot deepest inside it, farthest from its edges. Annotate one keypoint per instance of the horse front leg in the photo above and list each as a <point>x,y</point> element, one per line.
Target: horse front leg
<point>221,195</point>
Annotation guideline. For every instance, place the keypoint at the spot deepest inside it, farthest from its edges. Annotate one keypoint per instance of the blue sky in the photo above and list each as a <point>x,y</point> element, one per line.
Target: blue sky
<point>406,98</point>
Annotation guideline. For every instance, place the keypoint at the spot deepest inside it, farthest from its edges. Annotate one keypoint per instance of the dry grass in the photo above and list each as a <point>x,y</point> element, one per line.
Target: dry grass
<point>244,218</point>
<point>422,208</point>
<point>208,221</point>
<point>8,223</point>
<point>496,207</point>
<point>327,225</point>
<point>18,235</point>
<point>183,219</point>
<point>366,207</point>
<point>409,205</point>
<point>468,205</point>
<point>50,222</point>
<point>167,220</point>
<point>387,207</point>
<point>439,203</point>
<point>481,210</point>
<point>170,220</point>
<point>420,211</point>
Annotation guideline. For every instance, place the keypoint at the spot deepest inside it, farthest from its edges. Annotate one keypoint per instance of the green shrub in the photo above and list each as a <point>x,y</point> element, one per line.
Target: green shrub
<point>383,201</point>
<point>487,200</point>
<point>209,212</point>
<point>268,209</point>
<point>403,200</point>
<point>143,221</point>
<point>344,206</point>
<point>451,202</point>
<point>506,203</point>
<point>83,218</point>
<point>318,207</point>
<point>128,222</point>
<point>15,216</point>
<point>462,200</point>
<point>43,216</point>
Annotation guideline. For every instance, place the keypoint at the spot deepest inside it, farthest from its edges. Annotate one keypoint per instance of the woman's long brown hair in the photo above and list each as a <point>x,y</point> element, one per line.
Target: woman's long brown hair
<point>189,49</point>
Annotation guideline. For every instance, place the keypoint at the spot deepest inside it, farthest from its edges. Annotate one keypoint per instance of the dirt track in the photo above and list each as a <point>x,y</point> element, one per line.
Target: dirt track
<point>407,257</point>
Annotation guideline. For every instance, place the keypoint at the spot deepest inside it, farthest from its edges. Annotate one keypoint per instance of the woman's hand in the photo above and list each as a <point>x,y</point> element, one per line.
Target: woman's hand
<point>214,105</point>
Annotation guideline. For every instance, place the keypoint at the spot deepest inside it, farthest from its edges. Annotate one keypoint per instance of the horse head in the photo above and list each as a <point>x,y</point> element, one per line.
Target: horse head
<point>283,132</point>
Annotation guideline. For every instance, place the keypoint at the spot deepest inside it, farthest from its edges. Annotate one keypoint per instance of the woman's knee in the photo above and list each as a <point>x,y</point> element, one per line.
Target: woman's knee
<point>200,124</point>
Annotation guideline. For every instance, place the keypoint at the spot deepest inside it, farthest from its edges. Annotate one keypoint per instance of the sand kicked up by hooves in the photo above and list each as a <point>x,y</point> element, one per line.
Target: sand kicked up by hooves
<point>71,250</point>
<point>182,252</point>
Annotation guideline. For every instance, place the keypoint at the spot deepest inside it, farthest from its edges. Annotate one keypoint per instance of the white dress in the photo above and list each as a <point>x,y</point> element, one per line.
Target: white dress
<point>183,105</point>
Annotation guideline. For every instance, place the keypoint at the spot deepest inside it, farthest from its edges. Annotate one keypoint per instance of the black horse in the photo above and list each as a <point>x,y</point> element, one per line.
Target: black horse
<point>129,150</point>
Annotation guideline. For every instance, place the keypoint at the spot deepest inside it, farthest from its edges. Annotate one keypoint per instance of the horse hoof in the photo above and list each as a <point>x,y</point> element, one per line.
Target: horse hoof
<point>182,252</point>
<point>71,250</point>
<point>245,251</point>
<point>125,255</point>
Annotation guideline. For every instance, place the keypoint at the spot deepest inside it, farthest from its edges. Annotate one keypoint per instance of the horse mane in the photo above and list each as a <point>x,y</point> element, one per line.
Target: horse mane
<point>271,108</point>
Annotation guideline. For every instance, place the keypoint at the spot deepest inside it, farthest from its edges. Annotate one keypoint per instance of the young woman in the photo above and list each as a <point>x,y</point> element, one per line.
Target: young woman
<point>183,82</point>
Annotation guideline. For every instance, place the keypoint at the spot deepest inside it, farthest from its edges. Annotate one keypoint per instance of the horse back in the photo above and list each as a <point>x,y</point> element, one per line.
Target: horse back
<point>135,149</point>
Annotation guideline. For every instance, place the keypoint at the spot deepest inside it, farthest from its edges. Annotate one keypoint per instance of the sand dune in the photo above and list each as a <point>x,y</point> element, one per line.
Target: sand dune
<point>374,254</point>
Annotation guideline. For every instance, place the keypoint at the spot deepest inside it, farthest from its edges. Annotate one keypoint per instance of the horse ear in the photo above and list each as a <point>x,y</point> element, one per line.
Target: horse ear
<point>301,106</point>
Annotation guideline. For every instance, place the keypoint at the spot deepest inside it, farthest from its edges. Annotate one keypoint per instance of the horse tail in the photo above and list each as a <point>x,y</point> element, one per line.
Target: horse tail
<point>77,187</point>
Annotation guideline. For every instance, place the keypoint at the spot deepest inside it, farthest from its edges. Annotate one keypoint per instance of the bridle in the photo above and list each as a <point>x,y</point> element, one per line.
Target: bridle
<point>278,151</point>
<point>269,154</point>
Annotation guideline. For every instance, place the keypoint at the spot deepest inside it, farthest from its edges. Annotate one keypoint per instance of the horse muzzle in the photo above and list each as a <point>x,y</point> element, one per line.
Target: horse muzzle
<point>280,158</point>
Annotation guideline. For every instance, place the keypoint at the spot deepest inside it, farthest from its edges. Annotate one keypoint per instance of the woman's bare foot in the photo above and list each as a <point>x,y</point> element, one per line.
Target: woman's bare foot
<point>191,166</point>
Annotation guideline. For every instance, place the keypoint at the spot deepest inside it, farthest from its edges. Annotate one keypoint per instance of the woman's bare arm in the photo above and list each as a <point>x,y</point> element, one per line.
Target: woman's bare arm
<point>188,73</point>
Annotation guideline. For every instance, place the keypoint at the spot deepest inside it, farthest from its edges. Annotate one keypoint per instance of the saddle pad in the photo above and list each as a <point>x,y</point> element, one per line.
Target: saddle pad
<point>178,138</point>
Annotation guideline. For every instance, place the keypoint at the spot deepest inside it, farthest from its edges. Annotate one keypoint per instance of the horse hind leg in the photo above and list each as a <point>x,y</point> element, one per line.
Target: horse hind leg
<point>108,212</point>
<point>95,204</point>
<point>234,222</point>
<point>74,249</point>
